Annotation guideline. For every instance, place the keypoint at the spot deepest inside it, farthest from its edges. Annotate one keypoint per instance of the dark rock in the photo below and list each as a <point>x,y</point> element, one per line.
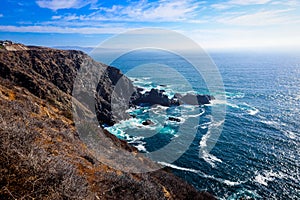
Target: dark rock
<point>193,99</point>
<point>133,116</point>
<point>138,89</point>
<point>157,97</point>
<point>147,122</point>
<point>153,97</point>
<point>174,119</point>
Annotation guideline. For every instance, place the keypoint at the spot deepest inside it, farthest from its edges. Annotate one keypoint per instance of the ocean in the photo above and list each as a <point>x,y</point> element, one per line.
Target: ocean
<point>257,153</point>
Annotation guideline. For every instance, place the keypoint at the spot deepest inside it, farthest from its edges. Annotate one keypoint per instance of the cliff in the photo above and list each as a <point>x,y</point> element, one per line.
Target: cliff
<point>41,153</point>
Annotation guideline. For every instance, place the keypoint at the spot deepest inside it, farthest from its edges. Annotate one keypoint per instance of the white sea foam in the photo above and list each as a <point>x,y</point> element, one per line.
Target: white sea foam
<point>238,95</point>
<point>266,176</point>
<point>200,173</point>
<point>251,110</point>
<point>227,182</point>
<point>204,139</point>
<point>232,105</point>
<point>137,123</point>
<point>268,122</point>
<point>187,107</point>
<point>289,134</point>
<point>158,109</point>
<point>179,168</point>
<point>204,125</point>
<point>195,115</point>
<point>209,158</point>
<point>215,102</point>
<point>254,111</point>
<point>141,147</point>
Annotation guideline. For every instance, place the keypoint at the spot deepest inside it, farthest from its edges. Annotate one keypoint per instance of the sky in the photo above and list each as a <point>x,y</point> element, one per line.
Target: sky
<point>231,24</point>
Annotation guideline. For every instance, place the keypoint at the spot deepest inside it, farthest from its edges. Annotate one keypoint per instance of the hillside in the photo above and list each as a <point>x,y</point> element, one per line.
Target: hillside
<point>41,153</point>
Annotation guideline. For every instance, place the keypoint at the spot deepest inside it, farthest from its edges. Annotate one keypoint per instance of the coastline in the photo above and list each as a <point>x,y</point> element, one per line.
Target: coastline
<point>36,89</point>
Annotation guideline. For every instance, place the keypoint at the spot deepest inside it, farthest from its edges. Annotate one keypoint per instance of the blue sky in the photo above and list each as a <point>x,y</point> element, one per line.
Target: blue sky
<point>213,24</point>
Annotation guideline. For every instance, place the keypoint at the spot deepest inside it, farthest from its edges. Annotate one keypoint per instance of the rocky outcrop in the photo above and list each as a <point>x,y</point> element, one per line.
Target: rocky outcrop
<point>11,46</point>
<point>41,153</point>
<point>193,99</point>
<point>49,74</point>
<point>157,97</point>
<point>174,119</point>
<point>152,97</point>
<point>147,122</point>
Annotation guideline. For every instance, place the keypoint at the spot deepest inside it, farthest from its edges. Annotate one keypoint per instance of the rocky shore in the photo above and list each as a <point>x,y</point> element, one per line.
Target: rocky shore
<point>41,153</point>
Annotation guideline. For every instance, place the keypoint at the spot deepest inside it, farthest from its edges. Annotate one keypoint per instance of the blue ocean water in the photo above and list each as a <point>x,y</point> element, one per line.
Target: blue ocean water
<point>257,153</point>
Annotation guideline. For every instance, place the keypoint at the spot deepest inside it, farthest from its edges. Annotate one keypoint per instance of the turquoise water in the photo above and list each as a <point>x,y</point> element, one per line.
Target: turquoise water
<point>257,154</point>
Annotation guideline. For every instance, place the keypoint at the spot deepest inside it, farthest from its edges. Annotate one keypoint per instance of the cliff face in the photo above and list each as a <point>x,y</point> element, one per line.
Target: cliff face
<point>49,74</point>
<point>41,154</point>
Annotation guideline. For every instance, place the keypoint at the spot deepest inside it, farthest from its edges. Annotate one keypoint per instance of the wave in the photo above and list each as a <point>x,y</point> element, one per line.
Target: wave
<point>280,126</point>
<point>209,158</point>
<point>215,102</point>
<point>227,182</point>
<point>203,125</point>
<point>266,176</point>
<point>289,134</point>
<point>251,110</point>
<point>238,95</point>
<point>269,122</point>
<point>141,147</point>
<point>203,175</point>
<point>179,168</point>
<point>195,115</point>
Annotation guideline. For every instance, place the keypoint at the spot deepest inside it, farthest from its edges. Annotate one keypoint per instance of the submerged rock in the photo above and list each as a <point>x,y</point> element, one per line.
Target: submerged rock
<point>174,119</point>
<point>147,122</point>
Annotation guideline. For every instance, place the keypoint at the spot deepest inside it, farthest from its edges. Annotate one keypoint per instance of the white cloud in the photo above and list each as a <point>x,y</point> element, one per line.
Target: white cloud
<point>233,3</point>
<point>55,29</point>
<point>292,3</point>
<point>1,15</point>
<point>248,2</point>
<point>261,18</point>
<point>163,10</point>
<point>56,17</point>
<point>63,4</point>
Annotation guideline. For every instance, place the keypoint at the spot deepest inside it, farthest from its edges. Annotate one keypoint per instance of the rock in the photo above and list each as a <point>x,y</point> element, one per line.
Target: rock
<point>138,89</point>
<point>193,99</point>
<point>133,116</point>
<point>174,119</point>
<point>157,97</point>
<point>153,97</point>
<point>147,122</point>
